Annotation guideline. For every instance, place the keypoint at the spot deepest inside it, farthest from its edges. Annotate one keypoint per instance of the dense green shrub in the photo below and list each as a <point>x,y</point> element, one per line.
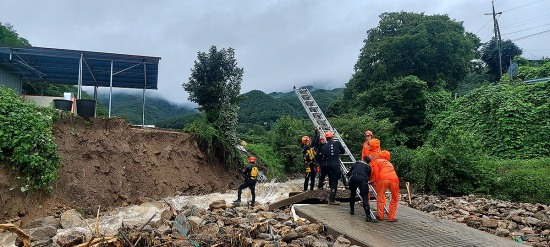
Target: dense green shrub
<point>267,156</point>
<point>450,167</point>
<point>401,158</point>
<point>213,143</point>
<point>285,140</point>
<point>521,180</point>
<point>511,121</point>
<point>26,140</point>
<point>352,129</point>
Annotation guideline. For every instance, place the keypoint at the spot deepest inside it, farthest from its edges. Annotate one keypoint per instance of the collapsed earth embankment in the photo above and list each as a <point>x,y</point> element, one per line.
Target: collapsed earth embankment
<point>107,162</point>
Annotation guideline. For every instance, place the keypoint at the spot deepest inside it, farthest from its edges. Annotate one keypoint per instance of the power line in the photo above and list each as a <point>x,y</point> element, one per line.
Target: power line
<point>521,6</point>
<point>532,35</point>
<point>528,21</point>
<point>482,27</point>
<point>528,29</point>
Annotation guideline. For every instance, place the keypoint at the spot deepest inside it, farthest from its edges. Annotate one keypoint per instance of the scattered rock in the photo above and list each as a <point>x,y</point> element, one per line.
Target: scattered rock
<point>195,222</point>
<point>341,241</point>
<point>220,204</point>
<point>532,221</point>
<point>71,219</point>
<point>541,215</point>
<point>429,207</point>
<point>544,225</point>
<point>290,235</point>
<point>490,223</point>
<point>71,238</point>
<point>42,233</point>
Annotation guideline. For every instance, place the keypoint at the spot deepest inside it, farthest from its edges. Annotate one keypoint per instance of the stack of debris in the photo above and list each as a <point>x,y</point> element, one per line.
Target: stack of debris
<point>524,222</point>
<point>221,224</point>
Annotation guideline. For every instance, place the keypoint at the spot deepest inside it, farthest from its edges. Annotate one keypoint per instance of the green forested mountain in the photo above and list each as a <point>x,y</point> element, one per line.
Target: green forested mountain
<point>256,107</point>
<point>157,110</point>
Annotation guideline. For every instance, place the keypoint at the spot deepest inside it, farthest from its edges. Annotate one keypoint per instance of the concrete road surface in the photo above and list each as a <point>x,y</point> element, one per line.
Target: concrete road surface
<point>415,228</point>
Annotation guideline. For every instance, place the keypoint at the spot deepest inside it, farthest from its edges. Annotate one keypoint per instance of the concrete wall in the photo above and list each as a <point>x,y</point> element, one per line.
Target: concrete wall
<point>10,81</point>
<point>44,101</point>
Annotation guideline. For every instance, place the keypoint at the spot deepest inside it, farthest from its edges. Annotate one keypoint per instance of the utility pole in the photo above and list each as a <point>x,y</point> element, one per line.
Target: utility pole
<point>497,36</point>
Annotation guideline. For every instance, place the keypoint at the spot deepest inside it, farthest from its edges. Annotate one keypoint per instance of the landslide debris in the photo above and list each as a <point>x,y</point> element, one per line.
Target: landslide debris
<point>107,163</point>
<point>527,223</point>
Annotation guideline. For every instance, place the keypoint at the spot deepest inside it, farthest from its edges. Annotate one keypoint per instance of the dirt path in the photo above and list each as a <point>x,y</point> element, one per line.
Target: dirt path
<point>106,162</point>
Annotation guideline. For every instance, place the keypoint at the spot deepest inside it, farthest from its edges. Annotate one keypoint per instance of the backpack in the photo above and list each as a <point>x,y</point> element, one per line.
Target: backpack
<point>254,173</point>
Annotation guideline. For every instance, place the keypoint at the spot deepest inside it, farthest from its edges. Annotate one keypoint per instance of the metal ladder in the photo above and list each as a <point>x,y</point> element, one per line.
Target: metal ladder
<point>321,123</point>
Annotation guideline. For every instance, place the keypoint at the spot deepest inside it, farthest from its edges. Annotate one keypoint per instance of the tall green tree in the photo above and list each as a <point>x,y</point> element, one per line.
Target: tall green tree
<point>489,55</point>
<point>434,48</point>
<point>215,85</point>
<point>10,38</point>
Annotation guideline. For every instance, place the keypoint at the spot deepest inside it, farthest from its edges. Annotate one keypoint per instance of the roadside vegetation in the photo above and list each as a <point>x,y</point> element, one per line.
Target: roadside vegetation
<point>26,141</point>
<point>493,139</point>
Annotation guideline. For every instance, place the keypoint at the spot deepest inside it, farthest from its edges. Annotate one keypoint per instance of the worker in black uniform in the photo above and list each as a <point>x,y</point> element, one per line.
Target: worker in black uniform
<point>318,143</point>
<point>250,174</point>
<point>332,151</point>
<point>359,175</point>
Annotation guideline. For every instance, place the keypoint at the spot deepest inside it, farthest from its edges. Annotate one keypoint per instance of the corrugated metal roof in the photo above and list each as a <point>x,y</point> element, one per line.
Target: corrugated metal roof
<point>61,66</point>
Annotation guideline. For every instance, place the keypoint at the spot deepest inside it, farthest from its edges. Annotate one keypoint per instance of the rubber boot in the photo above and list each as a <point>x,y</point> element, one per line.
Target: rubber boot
<point>332,198</point>
<point>352,210</point>
<point>368,216</point>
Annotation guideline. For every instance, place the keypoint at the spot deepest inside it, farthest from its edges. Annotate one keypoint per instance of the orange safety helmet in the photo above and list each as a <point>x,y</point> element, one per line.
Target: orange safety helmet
<point>384,154</point>
<point>305,139</point>
<point>329,134</point>
<point>252,159</point>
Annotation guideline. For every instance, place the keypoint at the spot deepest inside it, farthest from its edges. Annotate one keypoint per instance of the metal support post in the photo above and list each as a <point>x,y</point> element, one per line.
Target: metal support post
<point>95,99</point>
<point>110,88</point>
<point>79,95</point>
<point>143,99</point>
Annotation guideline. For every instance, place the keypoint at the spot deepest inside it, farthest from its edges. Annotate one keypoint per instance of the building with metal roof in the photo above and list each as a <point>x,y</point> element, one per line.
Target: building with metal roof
<point>80,68</point>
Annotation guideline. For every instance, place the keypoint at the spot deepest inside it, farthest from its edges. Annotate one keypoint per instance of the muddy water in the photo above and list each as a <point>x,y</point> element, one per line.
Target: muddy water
<point>139,214</point>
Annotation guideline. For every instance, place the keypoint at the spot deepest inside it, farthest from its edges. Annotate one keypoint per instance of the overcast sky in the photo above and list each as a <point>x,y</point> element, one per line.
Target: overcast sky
<point>278,43</point>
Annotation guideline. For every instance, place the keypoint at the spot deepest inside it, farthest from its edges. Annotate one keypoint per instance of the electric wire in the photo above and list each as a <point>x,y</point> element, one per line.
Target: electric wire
<point>521,6</point>
<point>483,26</point>
<point>532,35</point>
<point>519,31</point>
<point>524,22</point>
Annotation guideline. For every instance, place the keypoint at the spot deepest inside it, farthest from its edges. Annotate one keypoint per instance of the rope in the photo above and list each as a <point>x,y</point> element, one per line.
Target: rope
<point>182,231</point>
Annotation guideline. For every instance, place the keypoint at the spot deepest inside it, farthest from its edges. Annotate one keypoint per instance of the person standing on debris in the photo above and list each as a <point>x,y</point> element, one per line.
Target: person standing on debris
<point>365,151</point>
<point>383,173</point>
<point>332,151</point>
<point>318,143</point>
<point>250,174</point>
<point>308,152</point>
<point>358,175</point>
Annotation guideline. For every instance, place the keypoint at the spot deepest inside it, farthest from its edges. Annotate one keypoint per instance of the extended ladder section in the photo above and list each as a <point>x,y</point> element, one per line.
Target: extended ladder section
<point>321,123</point>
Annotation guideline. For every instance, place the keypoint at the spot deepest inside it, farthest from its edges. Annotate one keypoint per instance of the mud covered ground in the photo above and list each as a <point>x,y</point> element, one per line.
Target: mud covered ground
<point>107,162</point>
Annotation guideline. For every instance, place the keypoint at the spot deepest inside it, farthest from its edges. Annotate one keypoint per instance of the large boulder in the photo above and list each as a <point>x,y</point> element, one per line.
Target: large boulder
<point>46,221</point>
<point>71,219</point>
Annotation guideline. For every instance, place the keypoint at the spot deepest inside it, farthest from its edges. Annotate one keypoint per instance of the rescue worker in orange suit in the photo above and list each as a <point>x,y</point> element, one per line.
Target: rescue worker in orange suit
<point>332,151</point>
<point>308,152</point>
<point>318,143</point>
<point>365,150</point>
<point>359,174</point>
<point>374,149</point>
<point>250,174</point>
<point>385,177</point>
